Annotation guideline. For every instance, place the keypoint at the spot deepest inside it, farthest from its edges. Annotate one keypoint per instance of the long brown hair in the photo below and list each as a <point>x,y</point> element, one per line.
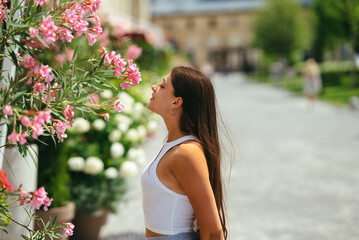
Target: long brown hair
<point>199,118</point>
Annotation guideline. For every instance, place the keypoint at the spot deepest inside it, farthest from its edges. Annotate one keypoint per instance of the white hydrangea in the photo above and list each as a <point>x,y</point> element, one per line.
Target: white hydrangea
<point>123,127</point>
<point>132,135</point>
<point>111,173</point>
<point>80,125</point>
<point>128,169</point>
<point>106,94</point>
<point>115,136</point>
<point>76,164</point>
<point>142,131</point>
<point>137,155</point>
<point>137,110</point>
<point>99,124</point>
<point>152,126</point>
<point>93,165</point>
<point>117,150</point>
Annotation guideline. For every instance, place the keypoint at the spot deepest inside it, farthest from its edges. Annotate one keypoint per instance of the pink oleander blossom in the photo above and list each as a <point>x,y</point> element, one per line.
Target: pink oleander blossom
<point>69,229</point>
<point>91,5</point>
<point>97,29</point>
<point>126,85</point>
<point>119,106</point>
<point>133,73</point>
<point>34,32</point>
<point>40,198</point>
<point>102,51</point>
<point>47,99</point>
<point>13,137</point>
<point>45,116</point>
<point>29,62</point>
<point>133,52</point>
<point>106,116</point>
<point>48,28</point>
<point>22,138</point>
<point>91,38</point>
<point>69,113</point>
<point>60,58</point>
<point>65,35</point>
<point>7,111</point>
<point>70,54</point>
<point>39,87</point>
<point>60,127</point>
<point>109,57</point>
<point>45,72</point>
<point>39,2</point>
<point>70,15</point>
<point>37,130</point>
<point>25,121</point>
<point>80,27</point>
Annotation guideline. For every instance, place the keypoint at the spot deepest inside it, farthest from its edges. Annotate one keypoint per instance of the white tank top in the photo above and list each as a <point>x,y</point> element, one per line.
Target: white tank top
<point>165,211</point>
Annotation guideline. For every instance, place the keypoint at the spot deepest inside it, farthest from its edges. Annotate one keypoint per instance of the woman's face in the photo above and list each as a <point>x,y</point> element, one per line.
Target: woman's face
<point>162,97</point>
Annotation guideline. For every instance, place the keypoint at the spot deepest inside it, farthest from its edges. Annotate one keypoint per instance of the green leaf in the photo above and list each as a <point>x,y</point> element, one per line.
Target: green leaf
<point>29,5</point>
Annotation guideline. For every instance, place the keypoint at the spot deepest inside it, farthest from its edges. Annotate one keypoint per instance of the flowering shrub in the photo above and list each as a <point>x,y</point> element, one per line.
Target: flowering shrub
<point>10,198</point>
<point>102,156</point>
<point>40,98</point>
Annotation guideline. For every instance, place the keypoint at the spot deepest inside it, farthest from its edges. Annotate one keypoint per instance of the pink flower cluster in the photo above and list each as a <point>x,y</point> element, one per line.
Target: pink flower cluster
<point>3,10</point>
<point>40,118</point>
<point>37,198</point>
<point>72,20</point>
<point>69,229</point>
<point>133,52</point>
<point>131,72</point>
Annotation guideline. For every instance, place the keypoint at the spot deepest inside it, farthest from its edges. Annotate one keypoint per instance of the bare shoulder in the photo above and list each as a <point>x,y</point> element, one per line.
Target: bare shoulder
<point>188,157</point>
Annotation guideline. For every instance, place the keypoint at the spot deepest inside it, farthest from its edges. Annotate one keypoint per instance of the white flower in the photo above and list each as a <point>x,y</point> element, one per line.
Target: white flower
<point>123,127</point>
<point>106,94</point>
<point>99,124</point>
<point>137,110</point>
<point>132,135</point>
<point>126,99</point>
<point>152,126</point>
<point>117,150</point>
<point>142,131</point>
<point>115,136</point>
<point>128,169</point>
<point>81,125</point>
<point>76,164</point>
<point>137,155</point>
<point>93,165</point>
<point>111,173</point>
<point>121,118</point>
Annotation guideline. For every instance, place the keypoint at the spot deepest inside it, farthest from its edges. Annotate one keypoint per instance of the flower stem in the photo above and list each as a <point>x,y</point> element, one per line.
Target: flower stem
<point>22,225</point>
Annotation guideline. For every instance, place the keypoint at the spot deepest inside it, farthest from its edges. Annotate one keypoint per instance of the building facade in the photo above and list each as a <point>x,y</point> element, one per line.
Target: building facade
<point>218,32</point>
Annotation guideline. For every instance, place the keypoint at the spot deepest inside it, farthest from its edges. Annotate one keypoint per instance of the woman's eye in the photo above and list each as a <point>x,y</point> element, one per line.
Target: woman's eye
<point>161,86</point>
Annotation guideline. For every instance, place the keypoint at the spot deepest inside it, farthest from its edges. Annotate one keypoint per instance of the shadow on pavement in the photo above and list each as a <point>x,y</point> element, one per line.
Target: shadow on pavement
<point>126,236</point>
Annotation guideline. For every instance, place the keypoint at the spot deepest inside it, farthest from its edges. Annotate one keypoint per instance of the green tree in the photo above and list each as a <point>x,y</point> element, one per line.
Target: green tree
<point>281,29</point>
<point>336,21</point>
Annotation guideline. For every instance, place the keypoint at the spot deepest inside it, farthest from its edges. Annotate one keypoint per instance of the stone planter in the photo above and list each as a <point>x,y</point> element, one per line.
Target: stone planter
<point>64,214</point>
<point>88,226</point>
<point>23,171</point>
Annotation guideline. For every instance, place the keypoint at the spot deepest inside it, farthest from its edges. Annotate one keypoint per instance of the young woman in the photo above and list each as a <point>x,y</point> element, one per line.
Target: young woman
<point>182,186</point>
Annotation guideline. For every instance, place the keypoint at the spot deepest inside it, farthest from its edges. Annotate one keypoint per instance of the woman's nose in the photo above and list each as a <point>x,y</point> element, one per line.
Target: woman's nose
<point>154,87</point>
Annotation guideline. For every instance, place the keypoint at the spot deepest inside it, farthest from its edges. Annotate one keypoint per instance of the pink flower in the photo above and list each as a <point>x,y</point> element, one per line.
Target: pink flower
<point>69,229</point>
<point>65,35</point>
<point>60,128</point>
<point>39,2</point>
<point>40,198</point>
<point>91,38</point>
<point>45,72</point>
<point>69,113</point>
<point>39,87</point>
<point>22,138</point>
<point>29,62</point>
<point>37,130</point>
<point>25,121</point>
<point>109,57</point>
<point>13,137</point>
<point>133,73</point>
<point>45,116</point>
<point>7,110</point>
<point>97,29</point>
<point>2,13</point>
<point>70,15</point>
<point>106,116</point>
<point>102,51</point>
<point>34,32</point>
<point>60,58</point>
<point>80,26</point>
<point>119,106</point>
<point>126,85</point>
<point>133,52</point>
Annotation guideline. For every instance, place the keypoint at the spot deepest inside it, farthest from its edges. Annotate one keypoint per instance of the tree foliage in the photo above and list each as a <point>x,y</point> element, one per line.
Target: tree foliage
<point>281,29</point>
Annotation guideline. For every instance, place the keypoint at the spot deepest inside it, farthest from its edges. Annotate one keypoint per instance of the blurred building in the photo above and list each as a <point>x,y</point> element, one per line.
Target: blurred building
<point>218,32</point>
<point>137,9</point>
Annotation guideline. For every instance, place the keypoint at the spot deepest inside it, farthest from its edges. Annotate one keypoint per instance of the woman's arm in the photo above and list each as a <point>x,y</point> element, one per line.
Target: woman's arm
<point>189,167</point>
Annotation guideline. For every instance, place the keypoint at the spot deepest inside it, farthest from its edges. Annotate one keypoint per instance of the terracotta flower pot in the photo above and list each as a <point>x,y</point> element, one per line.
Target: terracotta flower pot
<point>64,214</point>
<point>88,226</point>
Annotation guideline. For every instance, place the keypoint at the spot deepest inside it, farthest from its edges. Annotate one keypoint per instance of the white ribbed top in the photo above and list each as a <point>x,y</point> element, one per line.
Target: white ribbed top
<point>165,211</point>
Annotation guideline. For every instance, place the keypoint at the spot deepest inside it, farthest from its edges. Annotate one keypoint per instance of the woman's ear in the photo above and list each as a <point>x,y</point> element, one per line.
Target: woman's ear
<point>177,103</point>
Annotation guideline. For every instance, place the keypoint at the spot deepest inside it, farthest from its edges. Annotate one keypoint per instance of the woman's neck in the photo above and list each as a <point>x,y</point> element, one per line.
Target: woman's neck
<point>174,130</point>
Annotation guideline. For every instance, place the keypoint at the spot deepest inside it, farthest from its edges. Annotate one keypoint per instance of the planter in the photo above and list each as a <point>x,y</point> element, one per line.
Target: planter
<point>64,214</point>
<point>23,171</point>
<point>88,226</point>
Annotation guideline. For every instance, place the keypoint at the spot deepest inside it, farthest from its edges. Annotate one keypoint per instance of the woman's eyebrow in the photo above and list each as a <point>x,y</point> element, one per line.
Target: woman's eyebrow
<point>164,81</point>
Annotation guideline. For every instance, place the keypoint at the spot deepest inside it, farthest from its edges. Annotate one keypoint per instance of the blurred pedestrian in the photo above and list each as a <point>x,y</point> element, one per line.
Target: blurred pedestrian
<point>182,187</point>
<point>312,82</point>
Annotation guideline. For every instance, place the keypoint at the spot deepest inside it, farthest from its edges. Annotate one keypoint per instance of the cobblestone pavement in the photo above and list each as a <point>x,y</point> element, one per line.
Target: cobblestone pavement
<point>295,174</point>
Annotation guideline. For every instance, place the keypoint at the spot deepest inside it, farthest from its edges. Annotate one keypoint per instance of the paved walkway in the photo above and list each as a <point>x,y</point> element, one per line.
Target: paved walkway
<point>295,175</point>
